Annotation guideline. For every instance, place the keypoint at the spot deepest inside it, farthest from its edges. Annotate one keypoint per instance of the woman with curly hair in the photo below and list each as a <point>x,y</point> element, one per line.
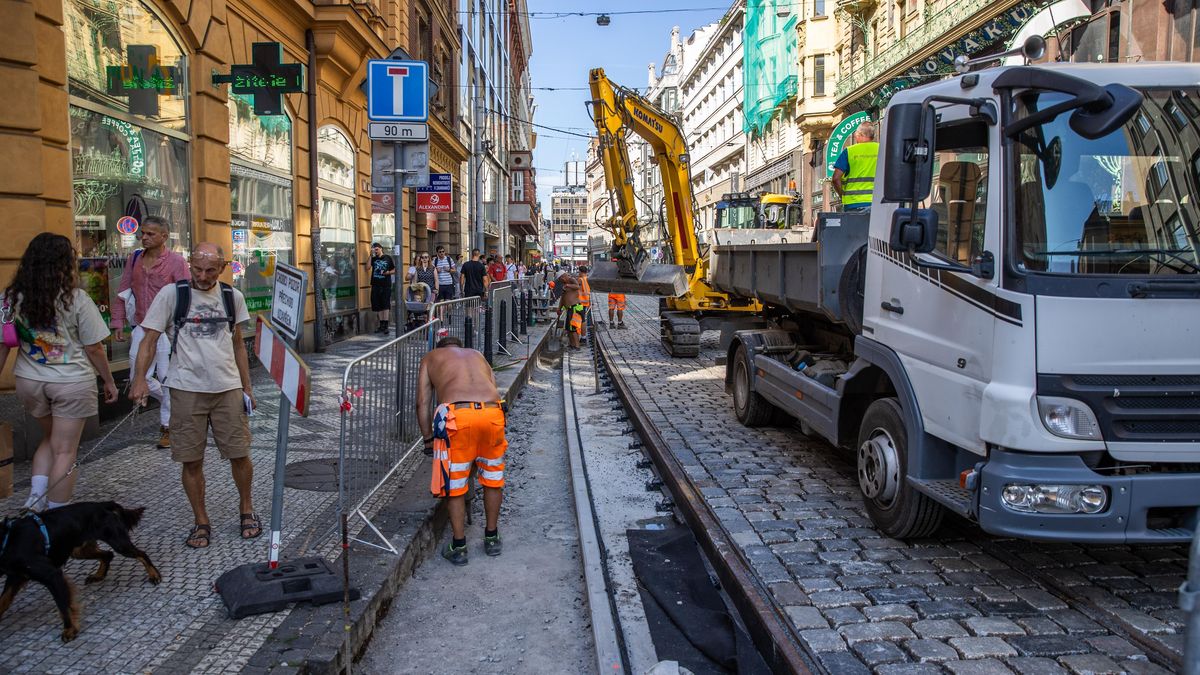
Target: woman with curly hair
<point>61,350</point>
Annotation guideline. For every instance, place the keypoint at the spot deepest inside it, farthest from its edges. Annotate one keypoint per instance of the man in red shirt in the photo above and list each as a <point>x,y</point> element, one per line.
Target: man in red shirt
<point>146,272</point>
<point>496,268</point>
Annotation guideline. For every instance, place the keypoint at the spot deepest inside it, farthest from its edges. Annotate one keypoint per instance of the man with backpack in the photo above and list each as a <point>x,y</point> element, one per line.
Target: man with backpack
<point>209,379</point>
<point>147,271</point>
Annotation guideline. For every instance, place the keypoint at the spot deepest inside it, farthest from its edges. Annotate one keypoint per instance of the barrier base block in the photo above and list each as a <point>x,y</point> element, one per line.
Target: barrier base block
<point>254,588</point>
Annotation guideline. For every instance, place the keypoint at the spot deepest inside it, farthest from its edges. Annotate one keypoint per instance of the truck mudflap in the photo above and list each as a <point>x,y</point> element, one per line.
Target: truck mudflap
<point>1157,508</point>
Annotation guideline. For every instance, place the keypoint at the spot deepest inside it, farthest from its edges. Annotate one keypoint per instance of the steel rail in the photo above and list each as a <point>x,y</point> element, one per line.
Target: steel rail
<point>766,620</point>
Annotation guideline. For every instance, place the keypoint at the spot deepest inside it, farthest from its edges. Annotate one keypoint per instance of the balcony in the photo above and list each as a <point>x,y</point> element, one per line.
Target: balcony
<point>935,26</point>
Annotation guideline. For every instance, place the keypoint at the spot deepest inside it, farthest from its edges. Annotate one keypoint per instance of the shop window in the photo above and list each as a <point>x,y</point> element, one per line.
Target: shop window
<point>129,154</point>
<point>261,202</point>
<point>339,281</point>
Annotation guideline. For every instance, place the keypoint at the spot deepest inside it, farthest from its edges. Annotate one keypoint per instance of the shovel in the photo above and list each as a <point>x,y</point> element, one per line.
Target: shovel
<point>552,350</point>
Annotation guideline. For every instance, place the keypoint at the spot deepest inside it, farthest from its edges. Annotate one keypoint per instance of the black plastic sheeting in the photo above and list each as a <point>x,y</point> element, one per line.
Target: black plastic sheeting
<point>688,619</point>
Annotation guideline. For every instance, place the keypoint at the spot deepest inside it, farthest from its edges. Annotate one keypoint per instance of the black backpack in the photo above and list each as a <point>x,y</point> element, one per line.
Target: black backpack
<point>183,303</point>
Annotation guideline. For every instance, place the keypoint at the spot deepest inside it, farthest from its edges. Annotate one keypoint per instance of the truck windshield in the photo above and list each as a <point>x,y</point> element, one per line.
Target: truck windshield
<point>1122,204</point>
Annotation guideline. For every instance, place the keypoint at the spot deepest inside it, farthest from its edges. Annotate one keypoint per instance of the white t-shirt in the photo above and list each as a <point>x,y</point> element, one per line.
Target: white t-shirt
<point>203,360</point>
<point>444,266</point>
<point>56,354</point>
<point>511,268</point>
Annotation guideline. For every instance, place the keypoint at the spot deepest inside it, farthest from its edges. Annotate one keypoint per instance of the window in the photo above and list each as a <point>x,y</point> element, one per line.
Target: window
<point>818,75</point>
<point>339,281</point>
<point>959,191</point>
<point>818,7</point>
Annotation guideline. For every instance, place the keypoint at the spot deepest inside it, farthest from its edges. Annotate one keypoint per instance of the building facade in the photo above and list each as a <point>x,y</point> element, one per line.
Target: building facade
<point>711,90</point>
<point>524,222</point>
<point>568,224</point>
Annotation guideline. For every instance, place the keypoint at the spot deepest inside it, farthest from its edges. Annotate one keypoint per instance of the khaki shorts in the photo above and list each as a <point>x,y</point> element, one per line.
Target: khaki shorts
<point>68,400</point>
<point>193,412</point>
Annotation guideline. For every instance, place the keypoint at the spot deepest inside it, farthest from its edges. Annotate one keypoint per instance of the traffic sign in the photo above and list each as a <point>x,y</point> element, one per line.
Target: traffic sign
<point>287,305</point>
<point>437,196</point>
<point>127,225</point>
<point>397,91</point>
<point>398,131</point>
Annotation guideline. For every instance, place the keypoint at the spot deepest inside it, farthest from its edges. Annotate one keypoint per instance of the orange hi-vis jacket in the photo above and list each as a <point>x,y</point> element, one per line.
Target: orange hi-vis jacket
<point>585,292</point>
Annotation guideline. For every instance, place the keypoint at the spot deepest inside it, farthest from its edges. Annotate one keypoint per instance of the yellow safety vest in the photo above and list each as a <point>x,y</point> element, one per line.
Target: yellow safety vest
<point>585,292</point>
<point>859,181</point>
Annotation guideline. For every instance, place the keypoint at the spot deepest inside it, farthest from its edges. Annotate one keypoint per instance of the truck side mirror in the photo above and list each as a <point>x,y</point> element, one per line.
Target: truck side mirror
<point>905,165</point>
<point>914,230</point>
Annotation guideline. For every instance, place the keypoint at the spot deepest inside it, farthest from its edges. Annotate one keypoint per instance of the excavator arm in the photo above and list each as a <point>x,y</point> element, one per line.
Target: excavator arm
<point>617,111</point>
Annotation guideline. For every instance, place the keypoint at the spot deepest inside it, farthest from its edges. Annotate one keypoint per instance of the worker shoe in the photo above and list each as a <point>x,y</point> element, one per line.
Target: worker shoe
<point>164,438</point>
<point>492,545</point>
<point>622,325</point>
<point>458,555</point>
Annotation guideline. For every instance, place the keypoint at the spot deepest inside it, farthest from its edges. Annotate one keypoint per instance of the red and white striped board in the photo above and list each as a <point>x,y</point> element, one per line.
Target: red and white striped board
<point>288,370</point>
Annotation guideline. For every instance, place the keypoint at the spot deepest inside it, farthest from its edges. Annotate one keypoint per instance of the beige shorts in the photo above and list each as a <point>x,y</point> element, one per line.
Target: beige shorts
<point>68,400</point>
<point>193,412</point>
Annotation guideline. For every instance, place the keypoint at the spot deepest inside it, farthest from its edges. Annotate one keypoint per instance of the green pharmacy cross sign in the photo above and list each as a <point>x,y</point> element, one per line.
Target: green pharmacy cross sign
<point>142,80</point>
<point>266,78</point>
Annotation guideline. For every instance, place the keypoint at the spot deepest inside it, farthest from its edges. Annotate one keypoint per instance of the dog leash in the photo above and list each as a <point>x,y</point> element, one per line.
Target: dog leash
<point>27,510</point>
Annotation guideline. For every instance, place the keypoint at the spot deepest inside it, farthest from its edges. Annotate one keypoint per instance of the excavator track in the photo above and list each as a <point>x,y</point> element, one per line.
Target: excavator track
<point>680,334</point>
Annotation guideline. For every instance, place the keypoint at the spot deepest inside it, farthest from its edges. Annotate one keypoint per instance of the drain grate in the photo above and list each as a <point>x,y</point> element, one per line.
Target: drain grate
<point>321,475</point>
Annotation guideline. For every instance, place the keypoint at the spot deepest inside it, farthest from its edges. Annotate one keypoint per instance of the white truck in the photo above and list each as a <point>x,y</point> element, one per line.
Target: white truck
<point>1012,330</point>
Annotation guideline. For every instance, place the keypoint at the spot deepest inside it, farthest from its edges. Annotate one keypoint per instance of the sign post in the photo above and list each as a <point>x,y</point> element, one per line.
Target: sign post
<point>254,588</point>
<point>398,112</point>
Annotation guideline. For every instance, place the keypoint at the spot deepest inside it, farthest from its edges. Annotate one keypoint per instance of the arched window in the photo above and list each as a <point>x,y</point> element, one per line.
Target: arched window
<point>129,138</point>
<point>335,171</point>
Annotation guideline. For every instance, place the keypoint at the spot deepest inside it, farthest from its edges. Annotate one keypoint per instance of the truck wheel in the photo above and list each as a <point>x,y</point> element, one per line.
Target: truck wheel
<point>893,505</point>
<point>751,409</point>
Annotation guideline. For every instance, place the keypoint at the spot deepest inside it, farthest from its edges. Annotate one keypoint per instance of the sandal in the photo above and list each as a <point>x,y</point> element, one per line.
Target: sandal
<point>199,536</point>
<point>250,521</point>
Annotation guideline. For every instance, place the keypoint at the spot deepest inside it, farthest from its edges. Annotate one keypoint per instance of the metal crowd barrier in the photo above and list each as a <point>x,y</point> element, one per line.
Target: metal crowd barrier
<point>379,431</point>
<point>462,318</point>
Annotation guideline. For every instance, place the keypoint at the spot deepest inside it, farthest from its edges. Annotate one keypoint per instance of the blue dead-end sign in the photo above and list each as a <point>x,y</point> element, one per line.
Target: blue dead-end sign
<point>397,91</point>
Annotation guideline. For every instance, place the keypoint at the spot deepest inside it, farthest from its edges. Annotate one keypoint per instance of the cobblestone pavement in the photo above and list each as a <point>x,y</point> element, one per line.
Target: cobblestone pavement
<point>129,626</point>
<point>960,602</point>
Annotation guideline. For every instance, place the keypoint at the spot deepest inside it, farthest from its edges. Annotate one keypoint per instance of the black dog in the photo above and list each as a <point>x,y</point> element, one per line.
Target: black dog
<point>69,532</point>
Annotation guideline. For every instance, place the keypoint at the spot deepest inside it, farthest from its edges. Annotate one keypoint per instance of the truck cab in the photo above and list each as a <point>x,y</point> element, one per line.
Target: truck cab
<point>1028,352</point>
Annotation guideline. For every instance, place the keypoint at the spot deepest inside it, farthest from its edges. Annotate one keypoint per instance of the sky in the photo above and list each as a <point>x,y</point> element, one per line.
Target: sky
<point>565,49</point>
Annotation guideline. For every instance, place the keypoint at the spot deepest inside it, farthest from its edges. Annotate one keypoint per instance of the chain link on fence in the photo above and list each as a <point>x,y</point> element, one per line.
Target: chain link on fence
<point>379,431</point>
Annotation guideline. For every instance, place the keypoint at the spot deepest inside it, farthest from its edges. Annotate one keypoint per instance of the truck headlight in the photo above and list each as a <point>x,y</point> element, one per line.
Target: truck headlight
<point>1068,418</point>
<point>1055,498</point>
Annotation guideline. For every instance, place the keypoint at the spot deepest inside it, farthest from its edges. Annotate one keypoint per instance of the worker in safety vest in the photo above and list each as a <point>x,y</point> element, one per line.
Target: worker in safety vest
<point>585,299</point>
<point>854,170</point>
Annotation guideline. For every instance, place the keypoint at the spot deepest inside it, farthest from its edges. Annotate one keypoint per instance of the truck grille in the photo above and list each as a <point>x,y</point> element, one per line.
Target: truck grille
<point>1135,407</point>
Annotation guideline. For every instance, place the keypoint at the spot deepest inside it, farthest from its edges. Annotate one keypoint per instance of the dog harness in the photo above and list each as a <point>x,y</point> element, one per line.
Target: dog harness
<point>8,528</point>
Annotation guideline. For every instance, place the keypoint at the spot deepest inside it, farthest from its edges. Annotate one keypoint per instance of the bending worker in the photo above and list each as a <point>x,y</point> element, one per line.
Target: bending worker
<point>854,170</point>
<point>585,299</point>
<point>466,430</point>
<point>568,302</point>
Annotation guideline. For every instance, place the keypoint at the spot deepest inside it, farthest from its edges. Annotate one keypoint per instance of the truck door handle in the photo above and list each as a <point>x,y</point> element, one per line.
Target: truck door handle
<point>889,307</point>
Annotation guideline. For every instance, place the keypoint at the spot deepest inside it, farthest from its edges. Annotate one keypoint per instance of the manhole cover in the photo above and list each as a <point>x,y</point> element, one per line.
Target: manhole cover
<point>321,475</point>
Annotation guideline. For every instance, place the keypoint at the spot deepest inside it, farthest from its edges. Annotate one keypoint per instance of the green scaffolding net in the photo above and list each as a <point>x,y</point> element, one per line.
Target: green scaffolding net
<point>771,63</point>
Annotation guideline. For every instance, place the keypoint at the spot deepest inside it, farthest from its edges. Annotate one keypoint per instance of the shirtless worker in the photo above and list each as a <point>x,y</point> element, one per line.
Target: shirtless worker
<point>465,429</point>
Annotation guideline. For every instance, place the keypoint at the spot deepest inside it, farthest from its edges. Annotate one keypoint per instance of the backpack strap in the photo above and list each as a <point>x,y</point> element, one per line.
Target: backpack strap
<point>227,298</point>
<point>183,303</point>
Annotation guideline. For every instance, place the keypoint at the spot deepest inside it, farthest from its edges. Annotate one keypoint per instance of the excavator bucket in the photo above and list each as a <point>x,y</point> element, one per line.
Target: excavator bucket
<point>661,280</point>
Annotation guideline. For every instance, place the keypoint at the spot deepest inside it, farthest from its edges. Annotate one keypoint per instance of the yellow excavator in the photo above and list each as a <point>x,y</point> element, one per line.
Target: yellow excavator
<point>688,303</point>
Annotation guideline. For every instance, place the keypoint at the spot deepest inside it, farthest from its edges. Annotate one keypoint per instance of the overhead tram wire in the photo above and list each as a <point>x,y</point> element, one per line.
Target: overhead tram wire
<point>539,126</point>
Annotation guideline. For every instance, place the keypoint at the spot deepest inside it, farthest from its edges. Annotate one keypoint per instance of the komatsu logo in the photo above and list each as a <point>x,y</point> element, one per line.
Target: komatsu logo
<point>655,124</point>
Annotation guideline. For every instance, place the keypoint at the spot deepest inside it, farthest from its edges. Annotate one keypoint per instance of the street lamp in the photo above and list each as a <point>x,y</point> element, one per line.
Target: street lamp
<point>603,20</point>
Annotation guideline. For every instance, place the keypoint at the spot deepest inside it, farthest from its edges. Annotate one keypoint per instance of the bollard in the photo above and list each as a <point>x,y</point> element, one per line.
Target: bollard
<point>1189,602</point>
<point>516,315</point>
<point>468,333</point>
<point>487,333</point>
<point>503,337</point>
<point>525,312</point>
<point>529,320</point>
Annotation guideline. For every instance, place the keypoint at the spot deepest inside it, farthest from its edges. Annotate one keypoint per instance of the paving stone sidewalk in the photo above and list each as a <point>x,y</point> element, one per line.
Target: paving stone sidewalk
<point>960,602</point>
<point>129,626</point>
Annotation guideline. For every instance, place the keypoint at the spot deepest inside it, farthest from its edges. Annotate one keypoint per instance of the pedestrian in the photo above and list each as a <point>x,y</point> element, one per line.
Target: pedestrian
<point>446,271</point>
<point>854,170</point>
<point>424,273</point>
<point>510,268</point>
<point>147,270</point>
<point>60,350</point>
<point>383,273</point>
<point>465,432</point>
<point>616,305</point>
<point>475,278</point>
<point>209,379</point>
<point>496,269</point>
<point>568,302</point>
